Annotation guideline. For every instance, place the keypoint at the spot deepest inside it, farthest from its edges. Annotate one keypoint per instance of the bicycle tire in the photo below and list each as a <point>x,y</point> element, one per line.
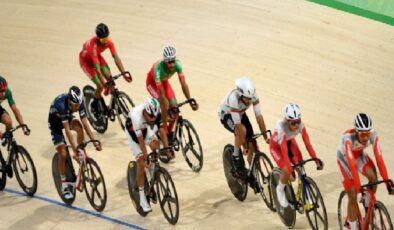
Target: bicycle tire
<point>3,174</point>
<point>167,195</point>
<point>69,175</point>
<point>265,167</point>
<point>189,143</point>
<point>133,187</point>
<point>123,111</point>
<point>100,124</point>
<point>239,188</point>
<point>19,163</point>
<point>386,222</point>
<point>92,178</point>
<point>314,192</point>
<point>286,215</point>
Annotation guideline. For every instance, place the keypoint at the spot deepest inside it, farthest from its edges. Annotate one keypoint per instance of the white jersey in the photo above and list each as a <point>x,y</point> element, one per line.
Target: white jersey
<point>282,129</point>
<point>233,105</point>
<point>137,119</point>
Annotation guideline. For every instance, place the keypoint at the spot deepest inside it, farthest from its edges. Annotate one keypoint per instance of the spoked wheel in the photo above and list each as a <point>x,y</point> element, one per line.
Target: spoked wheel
<point>167,196</point>
<point>287,215</point>
<point>342,211</point>
<point>191,146</point>
<point>94,184</point>
<point>98,120</point>
<point>70,176</point>
<point>238,187</point>
<point>123,108</point>
<point>25,171</point>
<point>3,174</point>
<point>264,168</point>
<point>133,188</point>
<point>380,217</point>
<point>314,206</point>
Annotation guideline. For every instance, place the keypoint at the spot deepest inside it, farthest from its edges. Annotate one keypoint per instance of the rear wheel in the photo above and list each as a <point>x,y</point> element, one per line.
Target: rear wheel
<point>97,120</point>
<point>3,174</point>
<point>94,184</point>
<point>167,195</point>
<point>25,171</point>
<point>191,146</point>
<point>264,168</point>
<point>70,176</point>
<point>380,217</point>
<point>314,206</point>
<point>133,188</point>
<point>123,107</point>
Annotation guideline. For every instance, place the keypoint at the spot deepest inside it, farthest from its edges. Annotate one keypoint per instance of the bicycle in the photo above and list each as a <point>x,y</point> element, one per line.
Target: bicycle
<point>119,106</point>
<point>186,137</point>
<point>375,215</point>
<point>89,173</point>
<point>158,186</point>
<point>308,198</point>
<point>20,160</point>
<point>257,175</point>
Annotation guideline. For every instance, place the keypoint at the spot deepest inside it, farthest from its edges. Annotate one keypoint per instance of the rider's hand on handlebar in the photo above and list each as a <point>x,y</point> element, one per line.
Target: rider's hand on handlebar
<point>194,106</point>
<point>267,140</point>
<point>97,145</point>
<point>26,130</point>
<point>319,165</point>
<point>127,77</point>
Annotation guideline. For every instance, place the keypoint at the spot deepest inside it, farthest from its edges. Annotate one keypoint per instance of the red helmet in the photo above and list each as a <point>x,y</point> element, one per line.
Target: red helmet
<point>3,84</point>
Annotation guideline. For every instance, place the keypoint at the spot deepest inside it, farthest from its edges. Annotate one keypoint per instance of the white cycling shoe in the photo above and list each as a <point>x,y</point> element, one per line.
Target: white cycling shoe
<point>144,203</point>
<point>67,193</point>
<point>280,193</point>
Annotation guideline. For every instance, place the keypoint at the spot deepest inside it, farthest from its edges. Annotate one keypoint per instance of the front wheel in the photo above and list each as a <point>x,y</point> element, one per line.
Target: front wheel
<point>25,171</point>
<point>3,174</point>
<point>167,195</point>
<point>264,168</point>
<point>380,217</point>
<point>191,146</point>
<point>122,108</point>
<point>314,206</point>
<point>94,184</point>
<point>70,176</point>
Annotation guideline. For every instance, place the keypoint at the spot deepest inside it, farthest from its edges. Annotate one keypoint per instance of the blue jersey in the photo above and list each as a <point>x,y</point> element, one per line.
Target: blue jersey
<point>60,110</point>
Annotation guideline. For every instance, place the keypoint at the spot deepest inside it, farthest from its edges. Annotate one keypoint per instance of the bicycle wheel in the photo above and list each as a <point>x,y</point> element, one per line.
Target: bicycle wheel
<point>25,171</point>
<point>264,168</point>
<point>314,206</point>
<point>94,184</point>
<point>238,187</point>
<point>287,215</point>
<point>3,174</point>
<point>380,217</point>
<point>191,146</point>
<point>98,121</point>
<point>122,108</point>
<point>70,175</point>
<point>133,187</point>
<point>167,196</point>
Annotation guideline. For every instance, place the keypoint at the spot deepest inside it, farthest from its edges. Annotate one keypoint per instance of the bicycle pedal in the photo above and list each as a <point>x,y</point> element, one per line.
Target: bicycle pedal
<point>308,207</point>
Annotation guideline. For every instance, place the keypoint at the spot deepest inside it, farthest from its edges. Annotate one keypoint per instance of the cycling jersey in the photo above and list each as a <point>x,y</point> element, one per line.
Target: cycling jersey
<point>351,152</point>
<point>60,112</point>
<point>7,96</point>
<point>92,48</point>
<point>233,105</point>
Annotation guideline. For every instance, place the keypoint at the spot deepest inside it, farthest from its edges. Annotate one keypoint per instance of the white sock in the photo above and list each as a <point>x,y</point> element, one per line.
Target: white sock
<point>141,190</point>
<point>353,225</point>
<point>236,152</point>
<point>281,186</point>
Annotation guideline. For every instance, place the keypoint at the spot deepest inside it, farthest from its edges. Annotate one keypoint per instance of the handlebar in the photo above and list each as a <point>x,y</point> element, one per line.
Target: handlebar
<point>84,144</point>
<point>257,135</point>
<point>371,184</point>
<point>303,162</point>
<point>8,134</point>
<point>111,81</point>
<point>175,109</point>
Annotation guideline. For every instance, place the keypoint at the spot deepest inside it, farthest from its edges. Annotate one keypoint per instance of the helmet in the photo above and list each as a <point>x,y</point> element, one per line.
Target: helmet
<point>75,95</point>
<point>169,53</point>
<point>292,112</point>
<point>245,87</point>
<point>152,106</point>
<point>102,30</point>
<point>362,122</point>
<point>3,84</point>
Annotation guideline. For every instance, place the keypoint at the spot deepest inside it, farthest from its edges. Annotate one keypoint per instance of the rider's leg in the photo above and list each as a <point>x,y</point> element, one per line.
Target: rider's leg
<point>77,127</point>
<point>170,95</point>
<point>296,154</point>
<point>6,119</point>
<point>248,135</point>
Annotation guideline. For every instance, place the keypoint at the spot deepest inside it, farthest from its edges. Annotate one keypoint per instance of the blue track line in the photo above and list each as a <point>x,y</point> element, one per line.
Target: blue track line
<point>95,214</point>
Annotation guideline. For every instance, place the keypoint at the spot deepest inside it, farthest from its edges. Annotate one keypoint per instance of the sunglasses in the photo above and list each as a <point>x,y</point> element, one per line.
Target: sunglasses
<point>295,122</point>
<point>364,134</point>
<point>170,62</point>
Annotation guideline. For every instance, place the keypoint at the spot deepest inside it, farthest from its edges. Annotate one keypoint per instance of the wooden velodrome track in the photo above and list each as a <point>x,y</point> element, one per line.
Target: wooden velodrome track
<point>331,63</point>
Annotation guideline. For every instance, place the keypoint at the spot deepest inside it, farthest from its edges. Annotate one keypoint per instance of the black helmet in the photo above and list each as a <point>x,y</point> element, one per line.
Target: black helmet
<point>75,95</point>
<point>102,30</point>
<point>3,83</point>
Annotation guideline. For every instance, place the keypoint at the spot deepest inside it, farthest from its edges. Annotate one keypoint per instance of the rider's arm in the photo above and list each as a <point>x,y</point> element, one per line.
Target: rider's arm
<point>86,127</point>
<point>17,114</point>
<point>115,55</point>
<point>70,138</point>
<point>141,143</point>
<point>352,164</point>
<point>260,118</point>
<point>307,142</point>
<point>285,152</point>
<point>379,158</point>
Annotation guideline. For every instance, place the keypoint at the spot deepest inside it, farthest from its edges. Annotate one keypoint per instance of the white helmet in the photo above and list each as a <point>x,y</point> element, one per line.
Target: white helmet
<point>169,53</point>
<point>292,112</point>
<point>152,106</point>
<point>245,87</point>
<point>362,122</point>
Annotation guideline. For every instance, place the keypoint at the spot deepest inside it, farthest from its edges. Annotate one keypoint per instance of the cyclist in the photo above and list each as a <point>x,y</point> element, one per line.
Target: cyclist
<point>94,65</point>
<point>6,94</point>
<point>61,117</point>
<point>142,126</point>
<point>233,117</point>
<point>158,86</point>
<point>352,157</point>
<point>284,148</point>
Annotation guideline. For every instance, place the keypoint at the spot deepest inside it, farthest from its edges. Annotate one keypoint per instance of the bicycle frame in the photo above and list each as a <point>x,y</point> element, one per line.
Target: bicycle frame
<point>11,145</point>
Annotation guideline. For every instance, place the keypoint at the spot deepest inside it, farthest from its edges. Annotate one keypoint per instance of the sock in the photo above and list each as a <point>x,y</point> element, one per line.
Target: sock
<point>353,225</point>
<point>141,190</point>
<point>62,178</point>
<point>281,186</point>
<point>236,152</point>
